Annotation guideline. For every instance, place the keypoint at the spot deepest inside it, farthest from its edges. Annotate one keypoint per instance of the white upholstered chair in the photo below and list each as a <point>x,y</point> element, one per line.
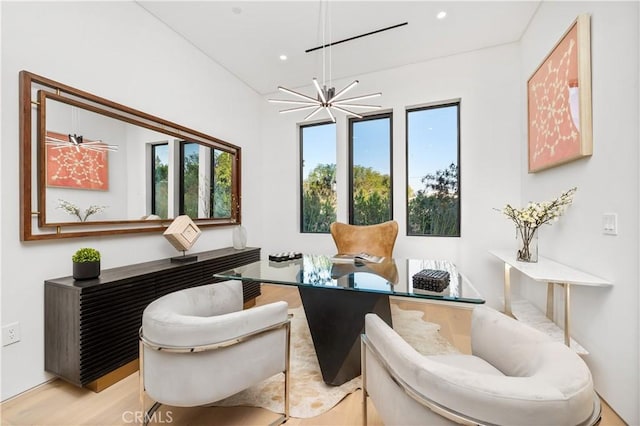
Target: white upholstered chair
<point>516,376</point>
<point>198,346</point>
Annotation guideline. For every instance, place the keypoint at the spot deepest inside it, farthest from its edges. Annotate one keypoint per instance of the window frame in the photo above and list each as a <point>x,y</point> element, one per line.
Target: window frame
<point>368,117</point>
<point>435,105</point>
<point>301,128</point>
<point>153,175</point>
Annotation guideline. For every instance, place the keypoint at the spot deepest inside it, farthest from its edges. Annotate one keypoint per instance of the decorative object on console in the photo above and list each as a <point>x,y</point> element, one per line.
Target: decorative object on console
<point>559,101</point>
<point>182,234</point>
<point>529,219</point>
<point>431,280</point>
<point>327,98</point>
<point>86,263</point>
<point>284,257</point>
<point>74,210</point>
<point>239,237</point>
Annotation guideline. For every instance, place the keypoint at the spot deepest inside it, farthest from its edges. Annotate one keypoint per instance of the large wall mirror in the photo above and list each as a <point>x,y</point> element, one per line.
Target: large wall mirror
<point>90,166</point>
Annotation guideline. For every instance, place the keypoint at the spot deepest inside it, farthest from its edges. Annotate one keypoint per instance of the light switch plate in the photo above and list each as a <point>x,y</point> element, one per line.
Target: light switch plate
<point>610,224</point>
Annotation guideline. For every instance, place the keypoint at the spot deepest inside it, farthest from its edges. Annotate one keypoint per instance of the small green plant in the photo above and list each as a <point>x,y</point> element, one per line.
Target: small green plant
<point>86,254</point>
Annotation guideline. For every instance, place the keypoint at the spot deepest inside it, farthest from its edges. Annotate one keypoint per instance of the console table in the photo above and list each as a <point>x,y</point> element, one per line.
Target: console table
<point>91,326</point>
<point>553,273</point>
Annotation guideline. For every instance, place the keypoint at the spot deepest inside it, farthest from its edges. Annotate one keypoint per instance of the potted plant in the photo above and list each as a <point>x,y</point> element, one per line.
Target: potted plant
<point>86,264</point>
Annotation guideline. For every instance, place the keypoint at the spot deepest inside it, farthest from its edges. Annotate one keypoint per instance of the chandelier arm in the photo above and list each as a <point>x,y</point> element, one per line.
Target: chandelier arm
<point>286,101</point>
<point>314,112</point>
<point>346,111</point>
<point>284,111</point>
<point>358,98</point>
<point>294,93</point>
<point>319,90</point>
<point>343,91</point>
<point>330,115</point>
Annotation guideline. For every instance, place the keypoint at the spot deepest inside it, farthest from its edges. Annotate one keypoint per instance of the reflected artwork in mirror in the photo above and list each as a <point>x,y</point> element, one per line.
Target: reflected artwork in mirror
<point>90,166</point>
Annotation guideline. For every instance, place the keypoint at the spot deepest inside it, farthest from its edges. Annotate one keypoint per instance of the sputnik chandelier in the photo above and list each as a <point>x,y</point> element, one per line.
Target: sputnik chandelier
<point>327,98</point>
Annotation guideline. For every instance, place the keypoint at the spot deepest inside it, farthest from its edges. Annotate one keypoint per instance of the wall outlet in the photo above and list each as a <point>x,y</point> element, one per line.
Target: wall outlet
<point>10,333</point>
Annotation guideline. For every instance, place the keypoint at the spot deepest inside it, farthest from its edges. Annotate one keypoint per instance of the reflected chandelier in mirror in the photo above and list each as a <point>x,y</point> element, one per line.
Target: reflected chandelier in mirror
<point>90,166</point>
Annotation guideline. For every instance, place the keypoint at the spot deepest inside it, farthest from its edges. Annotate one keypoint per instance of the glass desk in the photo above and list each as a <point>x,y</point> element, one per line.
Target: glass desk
<point>337,296</point>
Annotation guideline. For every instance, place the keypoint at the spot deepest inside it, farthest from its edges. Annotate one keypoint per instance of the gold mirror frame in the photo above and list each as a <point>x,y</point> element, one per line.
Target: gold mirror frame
<point>33,186</point>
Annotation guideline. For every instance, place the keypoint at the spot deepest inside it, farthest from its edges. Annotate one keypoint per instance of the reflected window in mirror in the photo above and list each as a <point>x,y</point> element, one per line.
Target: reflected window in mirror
<point>160,180</point>
<point>205,181</point>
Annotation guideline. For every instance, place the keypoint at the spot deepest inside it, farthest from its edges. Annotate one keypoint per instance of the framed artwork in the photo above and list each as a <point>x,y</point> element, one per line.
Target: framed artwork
<point>72,167</point>
<point>559,101</point>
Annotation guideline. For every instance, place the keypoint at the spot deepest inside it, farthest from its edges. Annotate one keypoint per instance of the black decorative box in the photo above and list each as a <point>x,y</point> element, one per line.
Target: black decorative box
<point>431,280</point>
<point>284,257</point>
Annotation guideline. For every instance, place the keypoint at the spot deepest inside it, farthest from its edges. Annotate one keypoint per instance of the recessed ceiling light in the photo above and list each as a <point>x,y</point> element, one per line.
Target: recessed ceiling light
<point>283,57</point>
<point>441,15</point>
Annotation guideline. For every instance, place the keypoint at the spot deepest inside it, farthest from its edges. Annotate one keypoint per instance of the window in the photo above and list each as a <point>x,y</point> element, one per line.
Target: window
<point>317,177</point>
<point>160,181</point>
<point>205,181</point>
<point>433,176</point>
<point>370,182</point>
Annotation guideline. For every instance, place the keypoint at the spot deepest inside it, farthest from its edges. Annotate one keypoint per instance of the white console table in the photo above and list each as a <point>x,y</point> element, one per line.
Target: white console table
<point>553,273</point>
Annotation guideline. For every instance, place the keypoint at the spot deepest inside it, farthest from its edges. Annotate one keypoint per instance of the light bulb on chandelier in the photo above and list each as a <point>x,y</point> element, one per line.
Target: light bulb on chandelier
<point>327,99</point>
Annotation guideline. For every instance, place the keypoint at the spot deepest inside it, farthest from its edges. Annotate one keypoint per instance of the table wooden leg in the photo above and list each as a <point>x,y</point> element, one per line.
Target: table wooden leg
<point>567,315</point>
<point>550,292</point>
<point>507,290</point>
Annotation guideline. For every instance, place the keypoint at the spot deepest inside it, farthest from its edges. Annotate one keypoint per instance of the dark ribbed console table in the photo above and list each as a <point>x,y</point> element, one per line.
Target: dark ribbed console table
<point>91,327</point>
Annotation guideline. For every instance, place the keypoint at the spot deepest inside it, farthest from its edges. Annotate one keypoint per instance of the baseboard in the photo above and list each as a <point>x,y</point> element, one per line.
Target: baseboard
<point>113,377</point>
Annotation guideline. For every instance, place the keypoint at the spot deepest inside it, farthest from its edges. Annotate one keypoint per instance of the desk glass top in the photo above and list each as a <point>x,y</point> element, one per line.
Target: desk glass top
<point>393,277</point>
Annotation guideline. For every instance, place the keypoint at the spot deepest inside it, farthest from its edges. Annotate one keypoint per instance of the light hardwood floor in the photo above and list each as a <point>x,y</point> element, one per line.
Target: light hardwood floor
<point>59,403</point>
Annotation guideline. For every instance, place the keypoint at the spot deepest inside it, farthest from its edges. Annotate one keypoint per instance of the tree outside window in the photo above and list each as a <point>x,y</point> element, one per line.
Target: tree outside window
<point>433,175</point>
<point>317,177</point>
<point>370,179</point>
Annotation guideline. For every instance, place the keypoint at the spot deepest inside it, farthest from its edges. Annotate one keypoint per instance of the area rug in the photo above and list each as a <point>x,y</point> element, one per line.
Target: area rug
<point>309,396</point>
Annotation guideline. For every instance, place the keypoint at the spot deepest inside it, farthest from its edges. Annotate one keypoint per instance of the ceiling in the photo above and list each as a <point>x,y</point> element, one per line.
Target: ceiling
<point>248,37</point>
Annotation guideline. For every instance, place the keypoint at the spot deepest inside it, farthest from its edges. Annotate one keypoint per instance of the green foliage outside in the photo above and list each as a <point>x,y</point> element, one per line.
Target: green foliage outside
<point>161,188</point>
<point>191,184</point>
<point>220,196</point>
<point>371,196</point>
<point>319,199</point>
<point>221,184</point>
<point>434,209</point>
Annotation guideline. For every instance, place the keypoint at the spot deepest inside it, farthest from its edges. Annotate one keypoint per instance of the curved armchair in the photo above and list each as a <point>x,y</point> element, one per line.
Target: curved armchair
<point>373,239</point>
<point>516,376</point>
<point>197,346</point>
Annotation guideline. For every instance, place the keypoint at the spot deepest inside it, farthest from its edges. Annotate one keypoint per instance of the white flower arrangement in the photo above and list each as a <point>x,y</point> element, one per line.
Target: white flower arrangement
<point>528,219</point>
<point>73,210</point>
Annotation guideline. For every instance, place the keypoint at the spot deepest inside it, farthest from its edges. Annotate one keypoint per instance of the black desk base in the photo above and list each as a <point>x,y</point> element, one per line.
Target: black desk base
<point>336,320</point>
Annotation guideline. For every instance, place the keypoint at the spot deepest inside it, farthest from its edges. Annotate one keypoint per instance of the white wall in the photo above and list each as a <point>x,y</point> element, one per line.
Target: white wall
<point>488,84</point>
<point>118,51</point>
<point>605,321</point>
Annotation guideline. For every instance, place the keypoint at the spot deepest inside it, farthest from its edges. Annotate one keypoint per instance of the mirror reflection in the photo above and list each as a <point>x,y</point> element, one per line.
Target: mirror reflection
<point>103,165</point>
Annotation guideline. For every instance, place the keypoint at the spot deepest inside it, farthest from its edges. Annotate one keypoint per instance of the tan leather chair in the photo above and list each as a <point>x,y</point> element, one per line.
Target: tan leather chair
<point>377,239</point>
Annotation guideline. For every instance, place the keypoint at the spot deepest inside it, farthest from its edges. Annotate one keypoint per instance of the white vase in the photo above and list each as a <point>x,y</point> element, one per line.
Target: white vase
<point>239,236</point>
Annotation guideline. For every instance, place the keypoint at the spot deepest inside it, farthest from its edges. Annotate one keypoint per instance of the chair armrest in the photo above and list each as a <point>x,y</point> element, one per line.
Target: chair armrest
<point>171,329</point>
